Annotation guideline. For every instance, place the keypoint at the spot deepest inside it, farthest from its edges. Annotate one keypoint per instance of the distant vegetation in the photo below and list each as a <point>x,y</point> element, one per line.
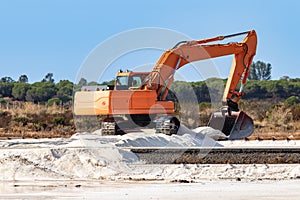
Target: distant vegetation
<point>273,104</point>
<point>259,86</point>
<point>47,91</point>
<point>267,89</point>
<point>38,92</point>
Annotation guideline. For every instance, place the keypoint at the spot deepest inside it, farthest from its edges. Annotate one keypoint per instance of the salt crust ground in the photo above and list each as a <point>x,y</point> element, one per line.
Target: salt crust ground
<point>89,166</point>
<point>90,156</point>
<point>235,190</point>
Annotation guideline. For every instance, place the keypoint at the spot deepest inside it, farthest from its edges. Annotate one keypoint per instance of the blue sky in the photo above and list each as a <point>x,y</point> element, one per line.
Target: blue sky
<point>38,37</point>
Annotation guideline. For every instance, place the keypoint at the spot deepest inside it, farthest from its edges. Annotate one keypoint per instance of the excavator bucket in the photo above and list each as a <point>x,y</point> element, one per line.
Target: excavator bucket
<point>236,126</point>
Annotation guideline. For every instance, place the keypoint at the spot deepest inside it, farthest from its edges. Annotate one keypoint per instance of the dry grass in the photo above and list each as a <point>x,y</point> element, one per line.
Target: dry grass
<point>270,131</point>
<point>28,120</point>
<point>271,122</point>
<point>29,108</point>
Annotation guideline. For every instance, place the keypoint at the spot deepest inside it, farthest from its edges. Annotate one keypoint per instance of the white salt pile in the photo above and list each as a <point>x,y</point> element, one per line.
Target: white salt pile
<point>184,138</point>
<point>92,156</point>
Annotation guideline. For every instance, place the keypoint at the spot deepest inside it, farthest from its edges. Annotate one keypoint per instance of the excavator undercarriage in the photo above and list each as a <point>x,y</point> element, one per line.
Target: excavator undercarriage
<point>119,125</point>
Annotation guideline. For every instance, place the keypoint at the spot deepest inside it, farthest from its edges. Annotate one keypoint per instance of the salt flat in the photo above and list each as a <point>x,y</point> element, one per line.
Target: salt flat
<point>89,165</point>
<point>236,190</point>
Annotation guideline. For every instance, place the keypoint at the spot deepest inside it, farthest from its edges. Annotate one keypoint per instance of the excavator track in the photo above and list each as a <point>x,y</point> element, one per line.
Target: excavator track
<point>120,125</point>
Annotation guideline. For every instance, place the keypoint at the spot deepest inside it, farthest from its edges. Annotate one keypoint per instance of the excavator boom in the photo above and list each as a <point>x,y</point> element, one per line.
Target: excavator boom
<point>190,51</point>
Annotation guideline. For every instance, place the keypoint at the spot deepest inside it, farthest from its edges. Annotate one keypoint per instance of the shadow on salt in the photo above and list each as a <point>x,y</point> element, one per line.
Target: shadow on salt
<point>200,137</point>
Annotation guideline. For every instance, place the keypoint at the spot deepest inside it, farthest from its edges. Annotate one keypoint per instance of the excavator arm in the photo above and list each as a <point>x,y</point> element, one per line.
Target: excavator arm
<point>234,124</point>
<point>185,52</point>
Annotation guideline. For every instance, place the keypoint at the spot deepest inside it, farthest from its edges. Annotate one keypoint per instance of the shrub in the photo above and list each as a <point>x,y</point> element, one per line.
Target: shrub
<point>22,120</point>
<point>35,127</point>
<point>2,101</point>
<point>280,116</point>
<point>53,101</point>
<point>5,117</point>
<point>296,112</point>
<point>292,100</point>
<point>43,125</point>
<point>58,121</point>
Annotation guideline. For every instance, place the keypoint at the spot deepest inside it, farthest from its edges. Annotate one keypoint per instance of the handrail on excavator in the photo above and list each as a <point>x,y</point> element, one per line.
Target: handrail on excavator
<point>218,38</point>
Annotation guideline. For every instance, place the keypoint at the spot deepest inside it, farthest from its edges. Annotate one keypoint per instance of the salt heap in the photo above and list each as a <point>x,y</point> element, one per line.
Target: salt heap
<point>184,138</point>
<point>85,155</point>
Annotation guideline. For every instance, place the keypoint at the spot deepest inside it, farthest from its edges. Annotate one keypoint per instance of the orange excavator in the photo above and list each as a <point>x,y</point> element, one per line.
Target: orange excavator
<point>141,96</point>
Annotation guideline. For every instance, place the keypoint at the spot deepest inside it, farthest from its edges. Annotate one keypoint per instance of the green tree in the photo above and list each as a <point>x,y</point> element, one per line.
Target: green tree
<point>41,92</point>
<point>111,82</point>
<point>48,78</point>
<point>274,89</point>
<point>260,71</point>
<point>216,89</point>
<point>254,89</point>
<point>19,91</point>
<point>291,101</point>
<point>183,91</point>
<point>52,101</point>
<point>81,82</point>
<point>201,91</point>
<point>6,79</point>
<point>285,78</point>
<point>64,90</point>
<point>23,79</point>
<point>6,89</point>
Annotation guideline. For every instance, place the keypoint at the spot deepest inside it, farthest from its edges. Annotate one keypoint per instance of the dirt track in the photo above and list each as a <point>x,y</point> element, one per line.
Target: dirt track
<point>220,156</point>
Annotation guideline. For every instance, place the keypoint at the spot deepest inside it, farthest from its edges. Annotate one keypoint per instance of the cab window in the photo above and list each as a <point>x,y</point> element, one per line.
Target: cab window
<point>122,80</point>
<point>122,83</point>
<point>136,81</point>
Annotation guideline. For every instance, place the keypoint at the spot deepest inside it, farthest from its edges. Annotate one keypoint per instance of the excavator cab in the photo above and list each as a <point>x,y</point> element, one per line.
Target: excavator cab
<point>129,80</point>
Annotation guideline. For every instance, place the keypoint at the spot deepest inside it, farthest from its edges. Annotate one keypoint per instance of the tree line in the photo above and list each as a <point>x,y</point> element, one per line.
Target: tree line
<point>213,88</point>
<point>258,86</point>
<point>45,91</point>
